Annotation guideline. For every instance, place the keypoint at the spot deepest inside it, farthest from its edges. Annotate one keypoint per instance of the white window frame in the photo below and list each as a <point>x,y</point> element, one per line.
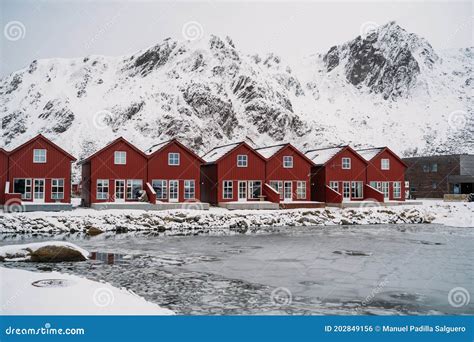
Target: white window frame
<point>397,190</point>
<point>355,187</point>
<point>102,195</point>
<point>334,185</point>
<point>227,185</point>
<point>174,159</point>
<point>385,164</point>
<point>385,186</point>
<point>242,160</point>
<point>251,185</point>
<point>301,190</point>
<point>344,188</point>
<point>120,157</point>
<point>346,163</point>
<point>278,186</point>
<point>26,195</point>
<point>39,158</point>
<point>164,188</point>
<point>129,188</point>
<point>288,162</point>
<point>57,195</point>
<point>189,189</point>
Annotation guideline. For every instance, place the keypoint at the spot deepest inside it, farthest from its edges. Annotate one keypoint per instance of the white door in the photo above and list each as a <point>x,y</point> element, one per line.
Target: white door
<point>174,191</point>
<point>242,191</point>
<point>38,190</point>
<point>287,191</point>
<point>119,190</point>
<point>385,189</point>
<point>346,190</point>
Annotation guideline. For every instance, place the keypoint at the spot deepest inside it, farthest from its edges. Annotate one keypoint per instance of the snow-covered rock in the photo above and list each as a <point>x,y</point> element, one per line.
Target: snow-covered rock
<point>389,88</point>
<point>53,293</point>
<point>47,251</point>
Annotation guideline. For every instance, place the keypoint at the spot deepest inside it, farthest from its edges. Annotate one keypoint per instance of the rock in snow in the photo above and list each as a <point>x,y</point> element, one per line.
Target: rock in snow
<point>49,251</point>
<point>388,88</point>
<point>54,293</point>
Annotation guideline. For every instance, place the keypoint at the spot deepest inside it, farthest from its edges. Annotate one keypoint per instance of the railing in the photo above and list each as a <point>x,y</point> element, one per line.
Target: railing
<point>332,196</point>
<point>373,194</point>
<point>151,193</point>
<point>271,194</point>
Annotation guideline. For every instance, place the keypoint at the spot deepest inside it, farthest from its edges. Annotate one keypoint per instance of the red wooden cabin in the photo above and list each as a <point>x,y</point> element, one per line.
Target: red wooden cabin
<point>385,172</point>
<point>174,172</point>
<point>39,171</point>
<point>339,175</point>
<point>288,171</point>
<point>3,174</point>
<point>116,173</point>
<point>234,172</point>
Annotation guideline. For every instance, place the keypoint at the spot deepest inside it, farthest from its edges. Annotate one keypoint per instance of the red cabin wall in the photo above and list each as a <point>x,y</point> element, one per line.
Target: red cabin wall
<point>188,169</point>
<point>396,173</point>
<point>86,184</point>
<point>227,170</point>
<point>209,186</point>
<point>57,165</point>
<point>3,175</point>
<point>103,167</point>
<point>301,171</point>
<point>318,184</point>
<point>335,172</point>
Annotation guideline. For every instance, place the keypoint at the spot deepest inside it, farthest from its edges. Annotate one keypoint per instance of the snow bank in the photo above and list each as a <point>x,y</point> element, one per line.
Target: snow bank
<point>33,293</point>
<point>24,252</point>
<point>218,220</point>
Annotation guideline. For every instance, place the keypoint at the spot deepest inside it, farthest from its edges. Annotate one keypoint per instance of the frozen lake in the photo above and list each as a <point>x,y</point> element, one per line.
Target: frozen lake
<point>377,269</point>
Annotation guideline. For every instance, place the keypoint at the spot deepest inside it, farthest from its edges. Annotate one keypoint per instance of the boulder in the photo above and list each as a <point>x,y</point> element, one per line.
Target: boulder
<point>56,254</point>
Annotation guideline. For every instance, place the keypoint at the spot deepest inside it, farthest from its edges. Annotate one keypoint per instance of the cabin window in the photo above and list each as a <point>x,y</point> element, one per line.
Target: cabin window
<point>39,156</point>
<point>346,190</point>
<point>57,189</point>
<point>426,168</point>
<point>134,189</point>
<point>120,158</point>
<point>255,189</point>
<point>189,189</point>
<point>242,160</point>
<point>102,189</point>
<point>288,162</point>
<point>385,164</point>
<point>334,185</point>
<point>357,188</point>
<point>227,190</point>
<point>278,186</point>
<point>397,190</point>
<point>22,186</point>
<point>173,159</point>
<point>434,185</point>
<point>346,163</point>
<point>434,167</point>
<point>160,187</point>
<point>301,190</point>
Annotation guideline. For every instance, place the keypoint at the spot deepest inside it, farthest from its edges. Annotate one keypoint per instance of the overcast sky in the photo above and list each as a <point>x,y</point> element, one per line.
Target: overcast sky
<point>44,29</point>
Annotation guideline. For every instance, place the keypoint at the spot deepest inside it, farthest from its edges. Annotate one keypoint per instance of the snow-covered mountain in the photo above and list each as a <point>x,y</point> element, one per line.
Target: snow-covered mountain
<point>389,87</point>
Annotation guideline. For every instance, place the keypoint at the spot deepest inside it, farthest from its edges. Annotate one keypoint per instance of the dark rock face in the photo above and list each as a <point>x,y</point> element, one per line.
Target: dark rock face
<point>59,116</point>
<point>331,59</point>
<point>153,58</point>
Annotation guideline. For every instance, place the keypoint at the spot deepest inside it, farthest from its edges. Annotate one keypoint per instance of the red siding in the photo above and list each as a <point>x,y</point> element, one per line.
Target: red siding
<point>188,168</point>
<point>301,170</point>
<point>209,186</point>
<point>3,174</point>
<point>102,166</point>
<point>318,184</point>
<point>227,170</point>
<point>58,165</point>
<point>396,173</point>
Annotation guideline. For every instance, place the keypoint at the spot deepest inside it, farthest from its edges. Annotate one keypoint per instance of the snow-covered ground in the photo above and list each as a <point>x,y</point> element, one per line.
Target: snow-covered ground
<point>218,220</point>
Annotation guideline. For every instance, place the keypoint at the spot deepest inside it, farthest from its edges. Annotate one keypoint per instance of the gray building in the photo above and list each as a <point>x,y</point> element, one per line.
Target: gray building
<point>434,176</point>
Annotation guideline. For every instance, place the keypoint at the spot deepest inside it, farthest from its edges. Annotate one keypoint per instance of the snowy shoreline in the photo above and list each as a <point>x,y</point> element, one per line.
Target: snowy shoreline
<point>222,221</point>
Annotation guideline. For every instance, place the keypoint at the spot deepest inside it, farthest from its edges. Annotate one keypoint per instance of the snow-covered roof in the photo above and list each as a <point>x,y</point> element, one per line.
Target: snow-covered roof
<point>270,151</point>
<point>322,156</point>
<point>218,152</point>
<point>369,153</point>
<point>156,147</point>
